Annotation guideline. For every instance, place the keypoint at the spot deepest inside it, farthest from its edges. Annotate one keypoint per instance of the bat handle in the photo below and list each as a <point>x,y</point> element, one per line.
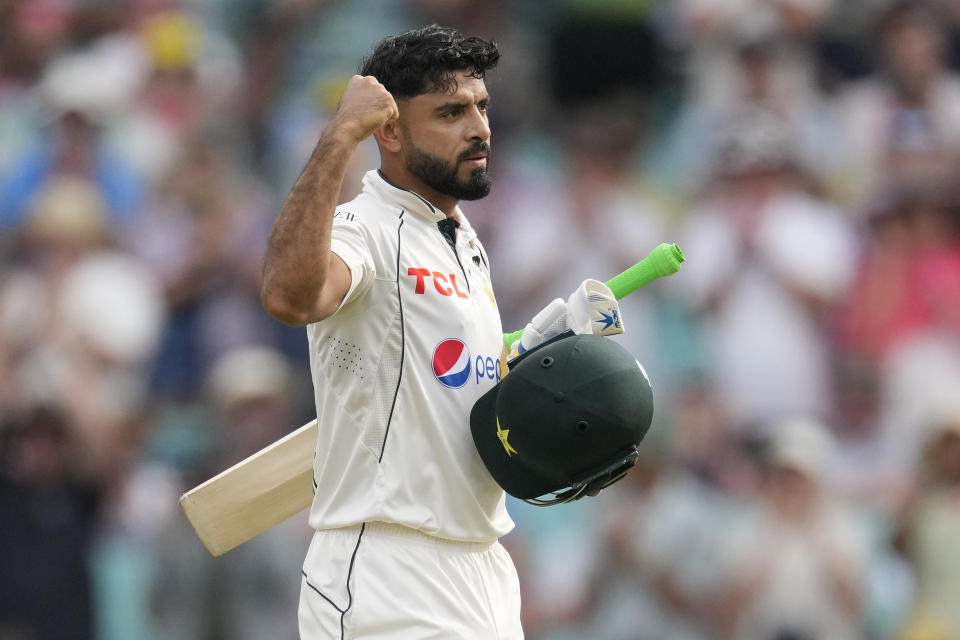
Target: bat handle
<point>664,260</point>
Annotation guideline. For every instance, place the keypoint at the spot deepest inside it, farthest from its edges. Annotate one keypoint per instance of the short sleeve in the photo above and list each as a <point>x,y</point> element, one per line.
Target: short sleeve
<point>350,243</point>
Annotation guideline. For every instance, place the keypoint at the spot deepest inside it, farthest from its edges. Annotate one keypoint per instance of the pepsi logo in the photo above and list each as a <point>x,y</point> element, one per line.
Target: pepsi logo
<point>451,363</point>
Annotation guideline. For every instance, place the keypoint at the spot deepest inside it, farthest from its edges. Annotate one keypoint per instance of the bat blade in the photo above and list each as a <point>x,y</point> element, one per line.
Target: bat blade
<point>255,494</point>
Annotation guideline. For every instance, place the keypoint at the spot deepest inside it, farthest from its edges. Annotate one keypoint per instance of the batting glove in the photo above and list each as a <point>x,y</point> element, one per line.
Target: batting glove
<point>591,308</point>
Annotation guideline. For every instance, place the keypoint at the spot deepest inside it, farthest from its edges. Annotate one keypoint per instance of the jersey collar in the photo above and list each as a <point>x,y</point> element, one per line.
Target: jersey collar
<point>374,183</point>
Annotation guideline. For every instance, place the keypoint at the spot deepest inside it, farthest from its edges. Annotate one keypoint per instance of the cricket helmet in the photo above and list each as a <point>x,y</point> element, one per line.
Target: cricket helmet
<point>566,421</point>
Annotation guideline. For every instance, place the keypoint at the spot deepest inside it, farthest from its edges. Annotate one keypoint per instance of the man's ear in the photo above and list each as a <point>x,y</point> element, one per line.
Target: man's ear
<point>390,136</point>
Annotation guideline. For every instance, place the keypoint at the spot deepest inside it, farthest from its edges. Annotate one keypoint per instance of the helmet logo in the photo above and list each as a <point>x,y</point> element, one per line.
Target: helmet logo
<point>503,434</point>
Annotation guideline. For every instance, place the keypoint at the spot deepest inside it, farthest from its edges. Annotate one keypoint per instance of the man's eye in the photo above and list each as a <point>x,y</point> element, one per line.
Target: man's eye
<point>453,113</point>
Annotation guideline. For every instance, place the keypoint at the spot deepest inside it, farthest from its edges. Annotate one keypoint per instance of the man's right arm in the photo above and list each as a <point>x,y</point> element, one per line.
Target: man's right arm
<point>303,280</point>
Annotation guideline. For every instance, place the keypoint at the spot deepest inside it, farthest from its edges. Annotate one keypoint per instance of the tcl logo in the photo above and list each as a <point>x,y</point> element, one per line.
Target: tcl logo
<point>445,284</point>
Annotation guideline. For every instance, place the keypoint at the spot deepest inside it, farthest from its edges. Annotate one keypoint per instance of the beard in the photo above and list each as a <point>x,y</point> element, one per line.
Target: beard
<point>442,176</point>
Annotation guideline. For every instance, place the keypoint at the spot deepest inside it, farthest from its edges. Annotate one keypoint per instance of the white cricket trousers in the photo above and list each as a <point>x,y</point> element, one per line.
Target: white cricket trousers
<point>387,581</point>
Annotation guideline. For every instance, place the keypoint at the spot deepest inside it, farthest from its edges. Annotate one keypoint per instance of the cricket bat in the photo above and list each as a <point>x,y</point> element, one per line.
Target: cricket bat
<point>277,482</point>
<point>255,494</point>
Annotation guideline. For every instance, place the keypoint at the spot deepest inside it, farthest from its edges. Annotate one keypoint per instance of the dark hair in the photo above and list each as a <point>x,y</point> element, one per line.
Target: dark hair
<point>426,59</point>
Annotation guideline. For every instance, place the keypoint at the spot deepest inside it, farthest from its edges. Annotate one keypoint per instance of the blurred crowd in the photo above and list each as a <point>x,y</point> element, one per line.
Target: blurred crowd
<point>801,480</point>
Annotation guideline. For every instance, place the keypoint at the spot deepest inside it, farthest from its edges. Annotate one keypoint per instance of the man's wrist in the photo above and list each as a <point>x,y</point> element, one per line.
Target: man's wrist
<point>344,134</point>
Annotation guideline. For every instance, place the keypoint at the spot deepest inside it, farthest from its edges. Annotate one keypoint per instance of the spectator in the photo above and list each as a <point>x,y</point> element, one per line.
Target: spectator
<point>80,318</point>
<point>198,236</point>
<point>763,71</point>
<point>772,259</point>
<point>930,527</point>
<point>909,280</point>
<point>795,570</point>
<point>30,35</point>
<point>901,123</point>
<point>83,93</point>
<point>659,570</point>
<point>713,32</point>
<point>49,513</point>
<point>901,313</point>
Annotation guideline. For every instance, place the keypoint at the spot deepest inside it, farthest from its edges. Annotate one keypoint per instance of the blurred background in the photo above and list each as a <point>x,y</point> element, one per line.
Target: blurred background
<point>801,480</point>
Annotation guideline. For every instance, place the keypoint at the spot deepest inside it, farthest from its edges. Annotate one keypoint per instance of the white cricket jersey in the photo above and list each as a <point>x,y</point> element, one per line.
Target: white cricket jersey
<point>397,369</point>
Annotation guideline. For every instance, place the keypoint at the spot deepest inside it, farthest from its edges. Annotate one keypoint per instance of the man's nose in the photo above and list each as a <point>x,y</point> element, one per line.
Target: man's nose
<point>479,128</point>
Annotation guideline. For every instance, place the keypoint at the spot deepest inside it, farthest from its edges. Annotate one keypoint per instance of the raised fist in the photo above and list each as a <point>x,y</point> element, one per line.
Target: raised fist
<point>365,107</point>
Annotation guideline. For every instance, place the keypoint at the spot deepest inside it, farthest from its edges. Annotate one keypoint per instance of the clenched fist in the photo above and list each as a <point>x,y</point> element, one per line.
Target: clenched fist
<point>365,107</point>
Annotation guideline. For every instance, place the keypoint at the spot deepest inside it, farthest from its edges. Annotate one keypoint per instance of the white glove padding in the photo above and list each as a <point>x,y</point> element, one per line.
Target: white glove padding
<point>549,322</point>
<point>591,308</point>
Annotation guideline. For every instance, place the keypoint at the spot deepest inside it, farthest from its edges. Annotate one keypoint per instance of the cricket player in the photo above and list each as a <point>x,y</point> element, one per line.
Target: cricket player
<point>404,336</point>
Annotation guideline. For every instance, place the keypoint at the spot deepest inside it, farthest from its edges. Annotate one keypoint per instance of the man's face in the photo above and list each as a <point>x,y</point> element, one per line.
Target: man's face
<point>446,139</point>
<point>913,52</point>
